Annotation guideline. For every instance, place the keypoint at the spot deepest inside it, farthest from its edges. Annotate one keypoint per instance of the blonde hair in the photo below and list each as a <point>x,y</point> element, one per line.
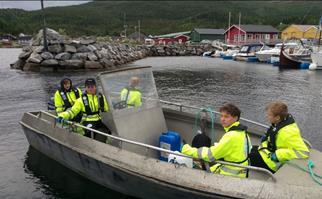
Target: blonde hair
<point>278,108</point>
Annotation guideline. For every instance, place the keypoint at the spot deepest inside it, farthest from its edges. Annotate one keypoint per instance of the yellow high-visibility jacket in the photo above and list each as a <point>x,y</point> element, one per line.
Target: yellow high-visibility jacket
<point>285,140</point>
<point>89,105</point>
<point>234,147</point>
<point>132,96</point>
<point>64,100</point>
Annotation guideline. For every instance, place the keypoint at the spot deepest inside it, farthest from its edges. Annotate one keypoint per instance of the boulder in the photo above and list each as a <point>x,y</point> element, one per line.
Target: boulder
<point>24,55</point>
<point>93,65</point>
<point>34,58</point>
<point>47,55</point>
<point>31,67</point>
<point>80,56</point>
<point>18,64</point>
<point>87,41</point>
<point>107,63</point>
<point>49,62</point>
<point>92,57</point>
<point>51,35</point>
<point>83,49</point>
<point>56,48</point>
<point>70,49</point>
<point>63,56</point>
<point>72,64</point>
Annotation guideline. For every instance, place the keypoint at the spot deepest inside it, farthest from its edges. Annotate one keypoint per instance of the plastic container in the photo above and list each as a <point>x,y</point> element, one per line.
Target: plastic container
<point>305,65</point>
<point>171,141</point>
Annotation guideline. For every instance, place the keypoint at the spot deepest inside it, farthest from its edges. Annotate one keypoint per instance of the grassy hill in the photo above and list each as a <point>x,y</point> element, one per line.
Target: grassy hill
<point>158,17</point>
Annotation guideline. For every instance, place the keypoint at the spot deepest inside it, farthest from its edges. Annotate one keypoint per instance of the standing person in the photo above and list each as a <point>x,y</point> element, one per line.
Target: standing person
<point>232,147</point>
<point>132,95</point>
<point>66,95</point>
<point>282,141</point>
<point>90,105</point>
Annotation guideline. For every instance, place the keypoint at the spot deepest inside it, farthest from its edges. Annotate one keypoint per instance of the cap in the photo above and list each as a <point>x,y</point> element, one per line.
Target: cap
<point>90,81</point>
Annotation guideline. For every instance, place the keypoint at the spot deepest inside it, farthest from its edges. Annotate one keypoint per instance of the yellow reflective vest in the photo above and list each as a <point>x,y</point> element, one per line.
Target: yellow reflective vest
<point>132,96</point>
<point>89,105</point>
<point>64,100</point>
<point>233,147</point>
<point>283,139</point>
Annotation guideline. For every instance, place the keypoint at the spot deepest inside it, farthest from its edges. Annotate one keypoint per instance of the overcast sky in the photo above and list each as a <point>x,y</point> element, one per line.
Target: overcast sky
<point>35,5</point>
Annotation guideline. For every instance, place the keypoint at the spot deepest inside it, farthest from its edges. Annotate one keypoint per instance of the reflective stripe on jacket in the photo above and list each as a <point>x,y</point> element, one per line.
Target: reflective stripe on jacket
<point>79,106</point>
<point>232,147</point>
<point>289,145</point>
<point>132,96</point>
<point>61,97</point>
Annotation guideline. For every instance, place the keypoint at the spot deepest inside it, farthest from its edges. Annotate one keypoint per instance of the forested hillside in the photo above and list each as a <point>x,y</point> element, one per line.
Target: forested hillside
<point>158,17</point>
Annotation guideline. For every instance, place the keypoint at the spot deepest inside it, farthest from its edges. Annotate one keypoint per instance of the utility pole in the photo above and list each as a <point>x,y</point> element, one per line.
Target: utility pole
<point>139,24</point>
<point>124,24</point>
<point>44,26</point>
<point>228,39</point>
<point>239,28</point>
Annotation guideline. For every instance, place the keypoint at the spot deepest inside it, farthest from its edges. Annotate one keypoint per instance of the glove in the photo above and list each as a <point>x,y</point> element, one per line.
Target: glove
<point>274,157</point>
<point>61,120</point>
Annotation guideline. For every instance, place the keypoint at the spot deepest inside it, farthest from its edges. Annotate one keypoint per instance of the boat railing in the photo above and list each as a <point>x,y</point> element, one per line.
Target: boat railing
<point>154,147</point>
<point>181,106</point>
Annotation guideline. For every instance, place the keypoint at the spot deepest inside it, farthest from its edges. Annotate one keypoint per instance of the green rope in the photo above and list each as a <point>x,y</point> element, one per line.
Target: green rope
<point>197,121</point>
<point>310,166</point>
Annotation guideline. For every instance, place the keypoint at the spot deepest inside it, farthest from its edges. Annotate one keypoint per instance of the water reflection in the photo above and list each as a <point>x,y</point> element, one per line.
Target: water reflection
<point>57,181</point>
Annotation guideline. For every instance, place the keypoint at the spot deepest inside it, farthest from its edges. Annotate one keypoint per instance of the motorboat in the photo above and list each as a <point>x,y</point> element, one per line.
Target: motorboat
<point>247,52</point>
<point>265,55</point>
<point>298,59</point>
<point>129,161</point>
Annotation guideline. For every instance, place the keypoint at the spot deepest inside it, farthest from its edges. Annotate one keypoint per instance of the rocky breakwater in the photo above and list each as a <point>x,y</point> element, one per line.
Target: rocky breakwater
<point>68,54</point>
<point>180,50</point>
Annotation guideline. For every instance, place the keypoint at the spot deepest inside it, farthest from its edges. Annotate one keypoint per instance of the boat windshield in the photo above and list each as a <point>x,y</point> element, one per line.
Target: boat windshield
<point>116,85</point>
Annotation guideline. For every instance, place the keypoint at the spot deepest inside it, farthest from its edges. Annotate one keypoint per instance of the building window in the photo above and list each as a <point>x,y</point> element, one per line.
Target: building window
<point>249,36</point>
<point>235,37</point>
<point>257,37</point>
<point>267,36</point>
<point>275,36</point>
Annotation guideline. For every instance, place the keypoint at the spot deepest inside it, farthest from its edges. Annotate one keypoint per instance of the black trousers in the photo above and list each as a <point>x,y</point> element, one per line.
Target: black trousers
<point>97,125</point>
<point>256,159</point>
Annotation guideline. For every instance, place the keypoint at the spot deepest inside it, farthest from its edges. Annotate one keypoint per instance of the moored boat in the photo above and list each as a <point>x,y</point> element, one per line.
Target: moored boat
<point>248,51</point>
<point>130,162</point>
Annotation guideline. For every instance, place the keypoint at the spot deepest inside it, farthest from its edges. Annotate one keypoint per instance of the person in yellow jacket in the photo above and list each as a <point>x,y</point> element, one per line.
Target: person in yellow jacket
<point>233,147</point>
<point>132,95</point>
<point>66,96</point>
<point>90,105</point>
<point>282,141</point>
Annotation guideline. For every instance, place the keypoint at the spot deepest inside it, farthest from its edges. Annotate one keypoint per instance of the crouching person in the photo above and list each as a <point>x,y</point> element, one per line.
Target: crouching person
<point>282,141</point>
<point>233,147</point>
<point>90,104</point>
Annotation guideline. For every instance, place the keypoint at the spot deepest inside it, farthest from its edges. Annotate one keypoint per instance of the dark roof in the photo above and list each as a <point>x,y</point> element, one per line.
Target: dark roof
<point>258,28</point>
<point>209,31</point>
<point>136,35</point>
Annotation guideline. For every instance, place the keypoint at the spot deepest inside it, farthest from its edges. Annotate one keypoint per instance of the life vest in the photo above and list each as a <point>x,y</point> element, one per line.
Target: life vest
<point>273,131</point>
<point>66,101</point>
<point>88,110</point>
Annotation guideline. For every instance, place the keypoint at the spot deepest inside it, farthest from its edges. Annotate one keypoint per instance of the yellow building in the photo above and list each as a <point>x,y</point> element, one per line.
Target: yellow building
<point>299,31</point>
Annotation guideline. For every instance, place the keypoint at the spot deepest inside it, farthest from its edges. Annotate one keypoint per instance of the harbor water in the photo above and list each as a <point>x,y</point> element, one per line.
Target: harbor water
<point>197,81</point>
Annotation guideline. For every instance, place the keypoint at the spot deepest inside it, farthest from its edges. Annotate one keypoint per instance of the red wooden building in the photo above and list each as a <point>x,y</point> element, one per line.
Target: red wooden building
<point>168,39</point>
<point>246,34</point>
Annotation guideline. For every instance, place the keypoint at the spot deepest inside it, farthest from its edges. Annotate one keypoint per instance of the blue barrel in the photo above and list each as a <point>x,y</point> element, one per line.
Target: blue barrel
<point>169,140</point>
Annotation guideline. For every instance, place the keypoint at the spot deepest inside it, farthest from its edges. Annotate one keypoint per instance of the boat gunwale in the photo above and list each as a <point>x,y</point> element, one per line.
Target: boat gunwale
<point>258,169</point>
